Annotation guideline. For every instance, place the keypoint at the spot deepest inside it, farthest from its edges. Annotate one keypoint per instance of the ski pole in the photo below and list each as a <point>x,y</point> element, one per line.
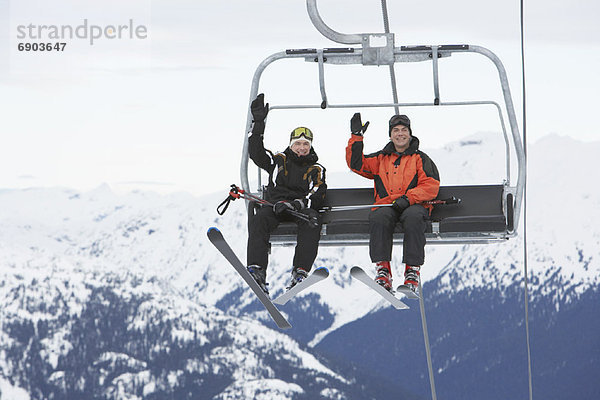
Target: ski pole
<point>237,193</point>
<point>450,200</point>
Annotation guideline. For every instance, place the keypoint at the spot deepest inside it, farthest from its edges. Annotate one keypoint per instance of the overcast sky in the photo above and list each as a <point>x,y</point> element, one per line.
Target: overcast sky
<point>167,112</point>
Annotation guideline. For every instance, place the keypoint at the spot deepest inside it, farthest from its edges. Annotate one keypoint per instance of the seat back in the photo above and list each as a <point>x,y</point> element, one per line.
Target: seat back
<point>478,218</point>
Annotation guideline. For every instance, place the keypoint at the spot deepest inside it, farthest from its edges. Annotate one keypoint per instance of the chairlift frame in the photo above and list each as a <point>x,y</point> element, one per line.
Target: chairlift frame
<point>488,213</point>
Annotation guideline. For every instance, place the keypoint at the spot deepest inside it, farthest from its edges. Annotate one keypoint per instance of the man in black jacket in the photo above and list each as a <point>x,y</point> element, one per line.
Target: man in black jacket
<point>299,186</point>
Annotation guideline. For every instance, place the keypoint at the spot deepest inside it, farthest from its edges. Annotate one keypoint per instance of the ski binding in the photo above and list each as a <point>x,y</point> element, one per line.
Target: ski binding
<point>318,275</point>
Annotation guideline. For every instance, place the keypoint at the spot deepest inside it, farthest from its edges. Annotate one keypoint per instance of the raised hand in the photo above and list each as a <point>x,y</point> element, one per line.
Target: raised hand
<point>356,125</point>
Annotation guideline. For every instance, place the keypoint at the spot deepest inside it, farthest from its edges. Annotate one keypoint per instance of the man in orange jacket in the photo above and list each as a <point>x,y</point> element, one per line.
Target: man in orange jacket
<point>404,177</point>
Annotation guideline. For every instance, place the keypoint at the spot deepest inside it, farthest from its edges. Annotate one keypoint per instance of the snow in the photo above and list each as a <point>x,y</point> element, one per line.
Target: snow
<point>562,230</point>
<point>10,392</point>
<point>243,356</point>
<point>333,394</point>
<point>245,337</point>
<point>55,347</point>
<point>261,389</point>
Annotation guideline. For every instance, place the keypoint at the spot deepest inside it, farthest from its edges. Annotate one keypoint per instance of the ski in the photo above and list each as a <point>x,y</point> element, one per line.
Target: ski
<point>317,276</point>
<point>361,275</point>
<point>405,290</point>
<point>216,238</point>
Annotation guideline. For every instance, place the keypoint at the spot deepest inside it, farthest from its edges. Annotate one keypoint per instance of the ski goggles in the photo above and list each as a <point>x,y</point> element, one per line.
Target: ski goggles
<point>302,132</point>
<point>399,120</point>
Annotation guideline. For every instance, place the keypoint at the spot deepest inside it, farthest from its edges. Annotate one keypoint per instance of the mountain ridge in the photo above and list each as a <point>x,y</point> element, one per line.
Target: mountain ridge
<point>160,240</point>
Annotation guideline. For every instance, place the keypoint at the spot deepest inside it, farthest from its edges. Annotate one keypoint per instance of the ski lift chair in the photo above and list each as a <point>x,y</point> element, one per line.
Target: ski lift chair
<point>486,213</point>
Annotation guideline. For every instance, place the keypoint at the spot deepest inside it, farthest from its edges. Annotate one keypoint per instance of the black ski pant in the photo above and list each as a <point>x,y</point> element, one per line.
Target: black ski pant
<point>265,221</point>
<point>382,222</point>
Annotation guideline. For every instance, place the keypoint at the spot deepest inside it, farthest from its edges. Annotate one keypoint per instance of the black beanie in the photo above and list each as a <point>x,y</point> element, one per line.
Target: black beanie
<point>400,120</point>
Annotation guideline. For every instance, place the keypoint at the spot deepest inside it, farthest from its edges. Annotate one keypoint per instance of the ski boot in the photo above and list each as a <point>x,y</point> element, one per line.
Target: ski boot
<point>260,276</point>
<point>411,281</point>
<point>298,275</point>
<point>384,275</point>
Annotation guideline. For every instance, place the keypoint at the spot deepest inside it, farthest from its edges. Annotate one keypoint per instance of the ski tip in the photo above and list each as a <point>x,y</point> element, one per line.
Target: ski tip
<point>409,294</point>
<point>356,269</point>
<point>213,233</point>
<point>322,269</point>
<point>278,302</point>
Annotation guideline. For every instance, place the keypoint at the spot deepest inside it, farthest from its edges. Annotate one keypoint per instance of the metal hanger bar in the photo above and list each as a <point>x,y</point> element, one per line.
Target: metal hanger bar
<point>436,84</point>
<point>443,47</point>
<point>383,105</point>
<point>320,60</point>
<point>313,13</point>
<point>326,50</point>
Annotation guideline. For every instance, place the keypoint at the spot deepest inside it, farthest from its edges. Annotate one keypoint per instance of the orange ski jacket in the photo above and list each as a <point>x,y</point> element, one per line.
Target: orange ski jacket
<point>411,174</point>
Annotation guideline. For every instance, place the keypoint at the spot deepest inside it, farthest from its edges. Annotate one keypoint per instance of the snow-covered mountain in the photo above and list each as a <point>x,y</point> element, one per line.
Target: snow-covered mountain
<point>92,334</point>
<point>475,303</point>
<point>118,296</point>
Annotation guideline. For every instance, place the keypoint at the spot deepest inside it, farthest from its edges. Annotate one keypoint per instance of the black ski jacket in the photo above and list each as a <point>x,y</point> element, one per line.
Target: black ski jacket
<point>297,177</point>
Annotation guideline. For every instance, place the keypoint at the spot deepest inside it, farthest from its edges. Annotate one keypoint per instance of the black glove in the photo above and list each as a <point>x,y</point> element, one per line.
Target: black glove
<point>281,207</point>
<point>401,204</point>
<point>356,126</point>
<point>259,113</point>
<point>259,109</point>
<point>299,204</point>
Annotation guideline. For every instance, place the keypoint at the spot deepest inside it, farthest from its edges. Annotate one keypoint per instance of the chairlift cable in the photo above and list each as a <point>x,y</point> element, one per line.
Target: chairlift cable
<point>386,27</point>
<point>525,266</point>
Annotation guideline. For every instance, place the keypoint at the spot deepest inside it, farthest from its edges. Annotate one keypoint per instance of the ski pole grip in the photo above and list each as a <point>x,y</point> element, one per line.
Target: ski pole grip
<point>235,190</point>
<point>234,193</point>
